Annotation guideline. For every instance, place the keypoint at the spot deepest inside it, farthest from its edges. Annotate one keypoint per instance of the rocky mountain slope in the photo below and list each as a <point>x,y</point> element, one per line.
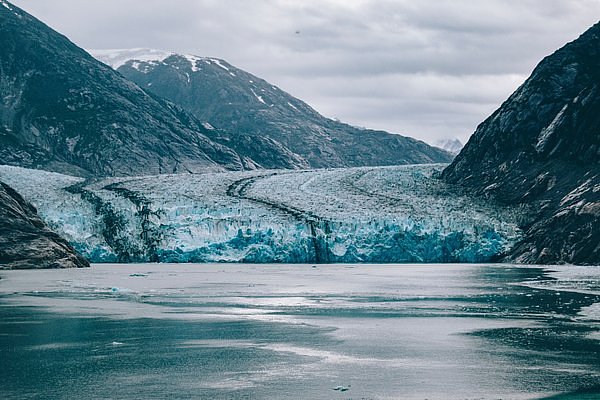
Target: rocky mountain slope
<point>26,241</point>
<point>62,110</point>
<point>542,148</point>
<point>259,120</point>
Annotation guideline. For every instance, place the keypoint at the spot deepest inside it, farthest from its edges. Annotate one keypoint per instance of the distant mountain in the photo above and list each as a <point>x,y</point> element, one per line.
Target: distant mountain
<point>452,146</point>
<point>259,120</point>
<point>541,148</point>
<point>26,241</point>
<point>62,110</point>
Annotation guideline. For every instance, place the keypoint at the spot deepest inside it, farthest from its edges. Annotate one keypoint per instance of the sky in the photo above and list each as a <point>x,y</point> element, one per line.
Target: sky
<point>430,69</point>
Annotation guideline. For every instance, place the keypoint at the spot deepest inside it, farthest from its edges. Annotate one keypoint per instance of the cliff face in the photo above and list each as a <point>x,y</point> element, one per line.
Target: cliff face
<point>542,148</point>
<point>26,241</point>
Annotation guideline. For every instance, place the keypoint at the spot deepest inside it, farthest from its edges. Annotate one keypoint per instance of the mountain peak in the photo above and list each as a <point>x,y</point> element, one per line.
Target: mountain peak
<point>452,146</point>
<point>118,57</point>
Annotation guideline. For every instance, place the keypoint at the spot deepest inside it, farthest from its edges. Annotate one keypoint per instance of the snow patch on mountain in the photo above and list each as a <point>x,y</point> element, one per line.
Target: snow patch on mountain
<point>194,61</point>
<point>549,130</point>
<point>218,62</point>
<point>257,96</point>
<point>7,6</point>
<point>138,56</point>
<point>118,57</point>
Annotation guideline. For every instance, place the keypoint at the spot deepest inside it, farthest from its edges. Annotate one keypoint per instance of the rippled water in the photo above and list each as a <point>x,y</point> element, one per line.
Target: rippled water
<point>299,331</point>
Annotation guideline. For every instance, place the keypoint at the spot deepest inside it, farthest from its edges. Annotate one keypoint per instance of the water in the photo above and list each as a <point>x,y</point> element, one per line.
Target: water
<point>298,331</point>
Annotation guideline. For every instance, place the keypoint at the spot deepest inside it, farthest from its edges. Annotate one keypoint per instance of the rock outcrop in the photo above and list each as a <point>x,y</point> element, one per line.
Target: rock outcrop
<point>541,148</point>
<point>26,241</point>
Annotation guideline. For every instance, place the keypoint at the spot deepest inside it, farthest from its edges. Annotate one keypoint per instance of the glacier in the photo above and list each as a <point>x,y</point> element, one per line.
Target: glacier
<point>399,214</point>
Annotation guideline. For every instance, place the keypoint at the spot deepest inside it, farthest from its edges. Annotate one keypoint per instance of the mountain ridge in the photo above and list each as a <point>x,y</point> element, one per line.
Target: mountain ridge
<point>251,111</point>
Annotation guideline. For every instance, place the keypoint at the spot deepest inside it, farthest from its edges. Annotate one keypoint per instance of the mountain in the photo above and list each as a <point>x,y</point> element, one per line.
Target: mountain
<point>26,241</point>
<point>541,149</point>
<point>259,120</point>
<point>62,110</point>
<point>452,146</point>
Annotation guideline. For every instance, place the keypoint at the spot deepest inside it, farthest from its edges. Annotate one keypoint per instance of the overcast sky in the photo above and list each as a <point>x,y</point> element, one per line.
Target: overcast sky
<point>423,68</point>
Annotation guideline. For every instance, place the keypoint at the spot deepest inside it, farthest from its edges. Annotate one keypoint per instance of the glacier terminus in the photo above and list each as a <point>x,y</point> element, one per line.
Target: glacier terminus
<point>367,214</point>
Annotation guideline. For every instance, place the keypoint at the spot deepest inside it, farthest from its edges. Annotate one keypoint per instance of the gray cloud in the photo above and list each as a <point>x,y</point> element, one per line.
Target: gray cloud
<point>427,68</point>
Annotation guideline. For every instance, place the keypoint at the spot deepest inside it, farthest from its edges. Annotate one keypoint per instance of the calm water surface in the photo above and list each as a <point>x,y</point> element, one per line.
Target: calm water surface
<point>154,331</point>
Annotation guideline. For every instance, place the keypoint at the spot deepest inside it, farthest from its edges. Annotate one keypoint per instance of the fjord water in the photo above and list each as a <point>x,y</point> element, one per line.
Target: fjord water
<point>298,331</point>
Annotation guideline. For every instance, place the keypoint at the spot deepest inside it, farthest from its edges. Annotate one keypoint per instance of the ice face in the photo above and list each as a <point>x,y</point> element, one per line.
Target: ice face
<point>371,214</point>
